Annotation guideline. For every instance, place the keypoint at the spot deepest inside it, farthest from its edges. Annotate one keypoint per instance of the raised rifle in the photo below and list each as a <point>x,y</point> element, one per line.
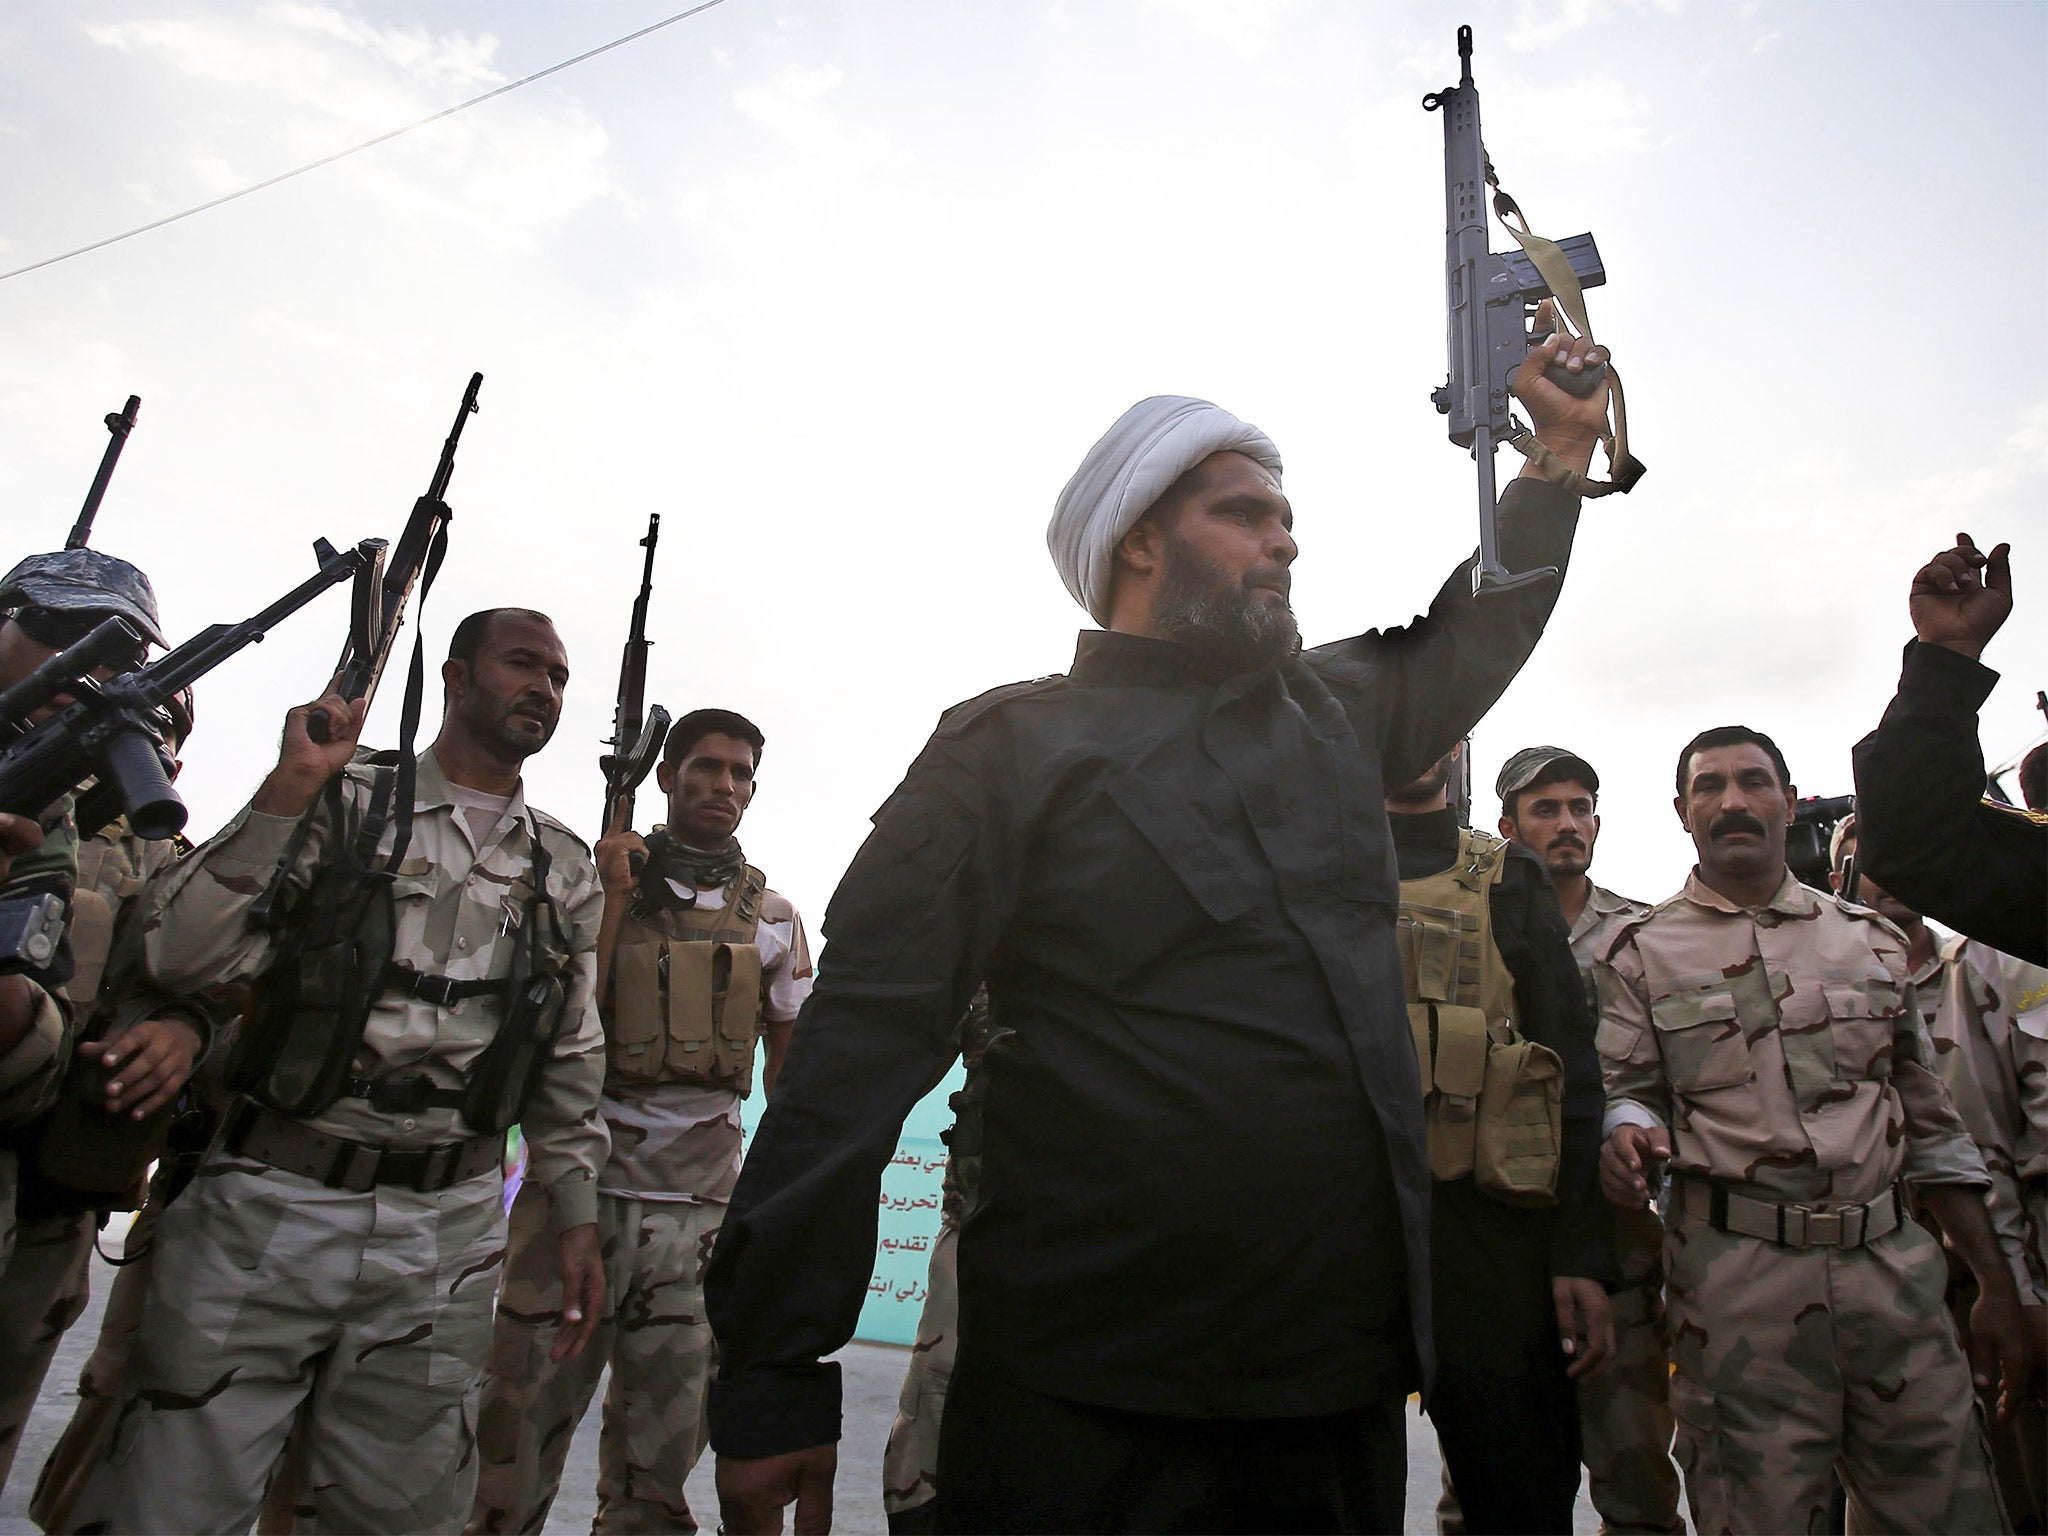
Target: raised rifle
<point>1492,299</point>
<point>111,731</point>
<point>378,610</point>
<point>635,741</point>
<point>376,614</point>
<point>119,424</point>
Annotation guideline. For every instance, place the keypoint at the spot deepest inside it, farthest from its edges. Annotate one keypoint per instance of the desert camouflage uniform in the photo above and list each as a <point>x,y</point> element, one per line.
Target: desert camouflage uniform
<point>44,1283</point>
<point>373,1308</point>
<point>1784,1049</point>
<point>1993,1057</point>
<point>910,1463</point>
<point>661,1199</point>
<point>1625,1423</point>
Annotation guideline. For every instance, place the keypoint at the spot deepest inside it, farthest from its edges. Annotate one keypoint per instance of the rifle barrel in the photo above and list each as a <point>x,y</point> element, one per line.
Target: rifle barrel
<point>119,423</point>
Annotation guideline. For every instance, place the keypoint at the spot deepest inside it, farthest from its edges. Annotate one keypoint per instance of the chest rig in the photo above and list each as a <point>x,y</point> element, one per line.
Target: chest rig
<point>686,990</point>
<point>335,961</point>
<point>1493,1101</point>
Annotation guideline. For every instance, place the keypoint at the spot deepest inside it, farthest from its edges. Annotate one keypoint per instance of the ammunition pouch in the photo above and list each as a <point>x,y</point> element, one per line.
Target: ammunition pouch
<point>1493,1102</point>
<point>335,961</point>
<point>687,994</point>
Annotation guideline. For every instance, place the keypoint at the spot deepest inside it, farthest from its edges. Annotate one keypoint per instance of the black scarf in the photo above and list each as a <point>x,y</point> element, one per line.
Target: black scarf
<point>669,860</point>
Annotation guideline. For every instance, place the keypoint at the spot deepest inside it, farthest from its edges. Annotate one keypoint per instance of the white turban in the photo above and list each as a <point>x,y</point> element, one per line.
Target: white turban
<point>1152,445</point>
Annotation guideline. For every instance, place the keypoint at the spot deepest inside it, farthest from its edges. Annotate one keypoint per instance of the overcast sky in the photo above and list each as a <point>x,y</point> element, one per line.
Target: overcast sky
<point>844,291</point>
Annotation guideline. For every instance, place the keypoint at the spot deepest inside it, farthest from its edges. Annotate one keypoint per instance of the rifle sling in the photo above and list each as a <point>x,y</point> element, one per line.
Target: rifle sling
<point>1556,269</point>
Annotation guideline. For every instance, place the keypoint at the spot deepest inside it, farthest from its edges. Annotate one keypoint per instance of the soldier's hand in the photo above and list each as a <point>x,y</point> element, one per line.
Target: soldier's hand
<point>1568,426</point>
<point>1961,596</point>
<point>304,765</point>
<point>1631,1158</point>
<point>620,853</point>
<point>1585,1323</point>
<point>2002,1356</point>
<point>582,1291</point>
<point>18,835</point>
<point>752,1492</point>
<point>146,1065</point>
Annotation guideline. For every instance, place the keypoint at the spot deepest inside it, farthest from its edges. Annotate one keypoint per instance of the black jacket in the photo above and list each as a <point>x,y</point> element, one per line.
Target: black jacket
<point>1550,1006</point>
<point>1205,1191</point>
<point>1923,828</point>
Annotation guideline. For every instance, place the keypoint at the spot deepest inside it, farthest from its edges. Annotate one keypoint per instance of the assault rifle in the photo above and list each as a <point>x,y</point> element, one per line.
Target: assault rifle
<point>119,424</point>
<point>1492,299</point>
<point>378,609</point>
<point>635,742</point>
<point>376,614</point>
<point>112,731</point>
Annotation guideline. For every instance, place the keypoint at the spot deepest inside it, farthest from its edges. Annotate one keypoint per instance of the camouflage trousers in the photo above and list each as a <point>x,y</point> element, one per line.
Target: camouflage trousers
<point>655,1339</point>
<point>1625,1426</point>
<point>43,1287</point>
<point>83,1445</point>
<point>268,1292</point>
<point>910,1463</point>
<point>1795,1363</point>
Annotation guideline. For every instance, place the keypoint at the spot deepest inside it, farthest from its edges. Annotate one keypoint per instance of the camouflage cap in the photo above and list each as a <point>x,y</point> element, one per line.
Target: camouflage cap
<point>1547,764</point>
<point>83,581</point>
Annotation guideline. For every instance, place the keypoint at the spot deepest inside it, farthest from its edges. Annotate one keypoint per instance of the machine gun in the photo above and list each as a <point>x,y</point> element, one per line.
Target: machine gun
<point>112,731</point>
<point>635,742</point>
<point>119,424</point>
<point>1492,299</point>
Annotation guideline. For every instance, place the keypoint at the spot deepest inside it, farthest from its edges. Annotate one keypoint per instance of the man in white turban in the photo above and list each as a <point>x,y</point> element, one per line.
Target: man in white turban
<point>1194,1269</point>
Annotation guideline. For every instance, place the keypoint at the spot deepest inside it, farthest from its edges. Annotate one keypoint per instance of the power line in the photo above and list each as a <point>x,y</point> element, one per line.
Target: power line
<point>356,149</point>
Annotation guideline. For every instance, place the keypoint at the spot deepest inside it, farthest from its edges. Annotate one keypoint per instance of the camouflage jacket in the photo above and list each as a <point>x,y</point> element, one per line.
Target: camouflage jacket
<point>1598,918</point>
<point>457,907</point>
<point>1993,1058</point>
<point>1783,1046</point>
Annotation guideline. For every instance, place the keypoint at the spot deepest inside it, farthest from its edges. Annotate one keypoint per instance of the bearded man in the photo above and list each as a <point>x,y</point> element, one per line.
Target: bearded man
<point>1194,1285</point>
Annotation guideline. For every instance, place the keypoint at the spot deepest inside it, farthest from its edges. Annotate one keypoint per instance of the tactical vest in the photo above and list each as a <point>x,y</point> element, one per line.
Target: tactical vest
<point>100,863</point>
<point>686,992</point>
<point>1493,1101</point>
<point>297,1052</point>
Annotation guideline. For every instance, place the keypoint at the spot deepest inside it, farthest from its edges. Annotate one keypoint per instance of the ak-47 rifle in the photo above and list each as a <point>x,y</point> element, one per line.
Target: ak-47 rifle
<point>379,607</point>
<point>119,424</point>
<point>1492,299</point>
<point>376,614</point>
<point>635,742</point>
<point>111,730</point>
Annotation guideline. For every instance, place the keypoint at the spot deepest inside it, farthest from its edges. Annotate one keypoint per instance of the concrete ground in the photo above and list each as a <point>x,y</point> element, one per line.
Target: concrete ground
<point>872,1374</point>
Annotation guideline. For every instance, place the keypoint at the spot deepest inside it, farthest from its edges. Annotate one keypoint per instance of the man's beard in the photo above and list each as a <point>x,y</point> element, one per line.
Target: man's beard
<point>491,720</point>
<point>1228,623</point>
<point>1425,789</point>
<point>1570,859</point>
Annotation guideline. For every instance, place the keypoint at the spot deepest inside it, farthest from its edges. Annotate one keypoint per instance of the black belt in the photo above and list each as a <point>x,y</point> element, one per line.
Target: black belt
<point>441,991</point>
<point>406,1095</point>
<point>257,1132</point>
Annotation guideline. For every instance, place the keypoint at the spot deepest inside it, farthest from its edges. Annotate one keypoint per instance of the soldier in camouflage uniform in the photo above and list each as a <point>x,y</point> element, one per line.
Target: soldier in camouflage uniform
<point>910,1463</point>
<point>51,601</point>
<point>1549,802</point>
<point>698,961</point>
<point>1993,1059</point>
<point>1766,1040</point>
<point>44,1286</point>
<point>346,1255</point>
